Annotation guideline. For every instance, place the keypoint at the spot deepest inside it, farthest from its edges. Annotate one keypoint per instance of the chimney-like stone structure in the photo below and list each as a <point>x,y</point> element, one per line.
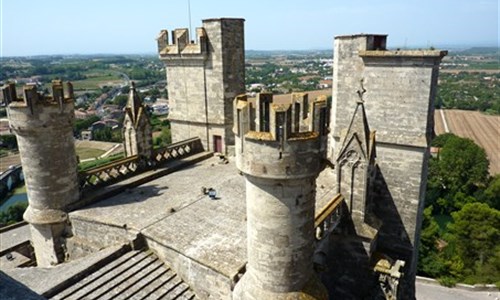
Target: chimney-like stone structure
<point>280,159</point>
<point>398,88</point>
<point>203,77</point>
<point>44,129</point>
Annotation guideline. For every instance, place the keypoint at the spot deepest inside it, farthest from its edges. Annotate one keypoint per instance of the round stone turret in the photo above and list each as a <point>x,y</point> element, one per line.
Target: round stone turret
<point>280,148</point>
<point>44,129</point>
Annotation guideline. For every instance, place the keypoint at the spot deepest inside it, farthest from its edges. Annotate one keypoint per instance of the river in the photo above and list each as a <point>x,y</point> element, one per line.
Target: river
<point>15,198</point>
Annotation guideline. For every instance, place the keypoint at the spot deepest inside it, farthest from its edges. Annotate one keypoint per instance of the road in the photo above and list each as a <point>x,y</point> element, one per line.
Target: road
<point>427,291</point>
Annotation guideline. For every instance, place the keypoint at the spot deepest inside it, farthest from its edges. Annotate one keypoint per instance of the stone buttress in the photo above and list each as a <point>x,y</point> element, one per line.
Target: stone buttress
<point>44,129</point>
<point>280,149</point>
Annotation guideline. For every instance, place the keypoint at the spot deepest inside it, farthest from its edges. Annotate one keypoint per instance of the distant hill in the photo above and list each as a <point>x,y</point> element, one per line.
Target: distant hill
<point>480,51</point>
<point>300,53</point>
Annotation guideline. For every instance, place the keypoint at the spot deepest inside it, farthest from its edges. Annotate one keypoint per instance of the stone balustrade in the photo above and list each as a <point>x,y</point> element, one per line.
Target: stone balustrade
<point>133,165</point>
<point>328,218</point>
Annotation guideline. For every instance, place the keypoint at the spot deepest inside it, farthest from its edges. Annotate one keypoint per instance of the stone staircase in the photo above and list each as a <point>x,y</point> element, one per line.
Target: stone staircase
<point>134,275</point>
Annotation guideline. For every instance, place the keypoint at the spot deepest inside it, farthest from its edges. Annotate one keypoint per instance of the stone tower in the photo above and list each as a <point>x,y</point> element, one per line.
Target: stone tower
<point>44,129</point>
<point>280,160</point>
<point>203,77</point>
<point>137,136</point>
<point>399,88</point>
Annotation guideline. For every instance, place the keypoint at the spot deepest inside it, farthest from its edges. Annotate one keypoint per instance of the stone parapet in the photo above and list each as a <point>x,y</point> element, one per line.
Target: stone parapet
<point>37,111</point>
<point>180,43</point>
<point>404,53</point>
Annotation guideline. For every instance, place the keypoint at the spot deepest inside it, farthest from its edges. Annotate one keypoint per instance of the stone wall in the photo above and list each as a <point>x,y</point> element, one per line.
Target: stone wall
<point>100,235</point>
<point>183,128</point>
<point>399,194</point>
<point>205,282</point>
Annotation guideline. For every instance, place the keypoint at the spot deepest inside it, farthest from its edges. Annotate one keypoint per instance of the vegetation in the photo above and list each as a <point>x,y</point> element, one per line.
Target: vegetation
<point>120,100</point>
<point>461,222</point>
<point>460,171</point>
<point>164,139</point>
<point>13,214</point>
<point>8,141</point>
<point>469,91</point>
<point>84,124</point>
<point>84,153</point>
<point>106,134</point>
<point>99,162</point>
<point>161,126</point>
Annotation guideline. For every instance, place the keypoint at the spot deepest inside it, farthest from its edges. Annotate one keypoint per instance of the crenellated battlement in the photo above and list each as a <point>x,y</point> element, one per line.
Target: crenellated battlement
<point>36,111</point>
<point>32,97</point>
<point>180,42</point>
<point>262,118</point>
<point>288,137</point>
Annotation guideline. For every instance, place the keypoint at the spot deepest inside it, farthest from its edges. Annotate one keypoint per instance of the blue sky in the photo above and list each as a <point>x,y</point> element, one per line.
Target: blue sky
<point>33,27</point>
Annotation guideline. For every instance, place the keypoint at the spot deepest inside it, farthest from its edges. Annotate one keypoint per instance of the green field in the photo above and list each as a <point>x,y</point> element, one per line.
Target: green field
<point>19,190</point>
<point>99,162</point>
<point>96,82</point>
<point>84,153</point>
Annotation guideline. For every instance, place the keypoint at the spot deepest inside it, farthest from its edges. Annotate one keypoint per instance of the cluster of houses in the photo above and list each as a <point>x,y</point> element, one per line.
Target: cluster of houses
<point>111,116</point>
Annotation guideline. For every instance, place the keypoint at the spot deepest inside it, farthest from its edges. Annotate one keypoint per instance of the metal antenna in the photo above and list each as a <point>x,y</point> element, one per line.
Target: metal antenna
<point>189,13</point>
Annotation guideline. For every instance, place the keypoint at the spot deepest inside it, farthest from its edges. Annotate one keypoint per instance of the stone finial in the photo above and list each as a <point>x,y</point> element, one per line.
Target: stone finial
<point>361,92</point>
<point>134,101</point>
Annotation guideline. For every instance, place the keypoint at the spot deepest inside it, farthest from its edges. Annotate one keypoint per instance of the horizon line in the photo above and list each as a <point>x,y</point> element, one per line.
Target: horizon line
<point>410,47</point>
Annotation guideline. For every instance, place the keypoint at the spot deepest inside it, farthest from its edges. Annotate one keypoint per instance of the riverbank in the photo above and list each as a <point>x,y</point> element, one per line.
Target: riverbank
<point>17,195</point>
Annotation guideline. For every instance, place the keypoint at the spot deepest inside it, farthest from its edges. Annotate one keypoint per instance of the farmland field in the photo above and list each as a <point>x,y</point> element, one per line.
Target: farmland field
<point>94,83</point>
<point>483,129</point>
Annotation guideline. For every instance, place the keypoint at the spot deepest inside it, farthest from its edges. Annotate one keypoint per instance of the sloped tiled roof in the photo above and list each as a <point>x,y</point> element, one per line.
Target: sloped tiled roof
<point>134,275</point>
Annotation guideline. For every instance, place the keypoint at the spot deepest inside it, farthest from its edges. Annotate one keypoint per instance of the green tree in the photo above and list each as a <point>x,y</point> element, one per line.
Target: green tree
<point>442,139</point>
<point>475,232</point>
<point>165,138</point>
<point>463,164</point>
<point>492,192</point>
<point>429,262</point>
<point>8,141</point>
<point>460,170</point>
<point>13,214</point>
<point>105,134</point>
<point>120,100</point>
<point>85,123</point>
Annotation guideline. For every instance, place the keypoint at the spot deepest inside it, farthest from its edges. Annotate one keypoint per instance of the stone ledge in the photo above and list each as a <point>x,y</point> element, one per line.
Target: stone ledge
<point>403,53</point>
